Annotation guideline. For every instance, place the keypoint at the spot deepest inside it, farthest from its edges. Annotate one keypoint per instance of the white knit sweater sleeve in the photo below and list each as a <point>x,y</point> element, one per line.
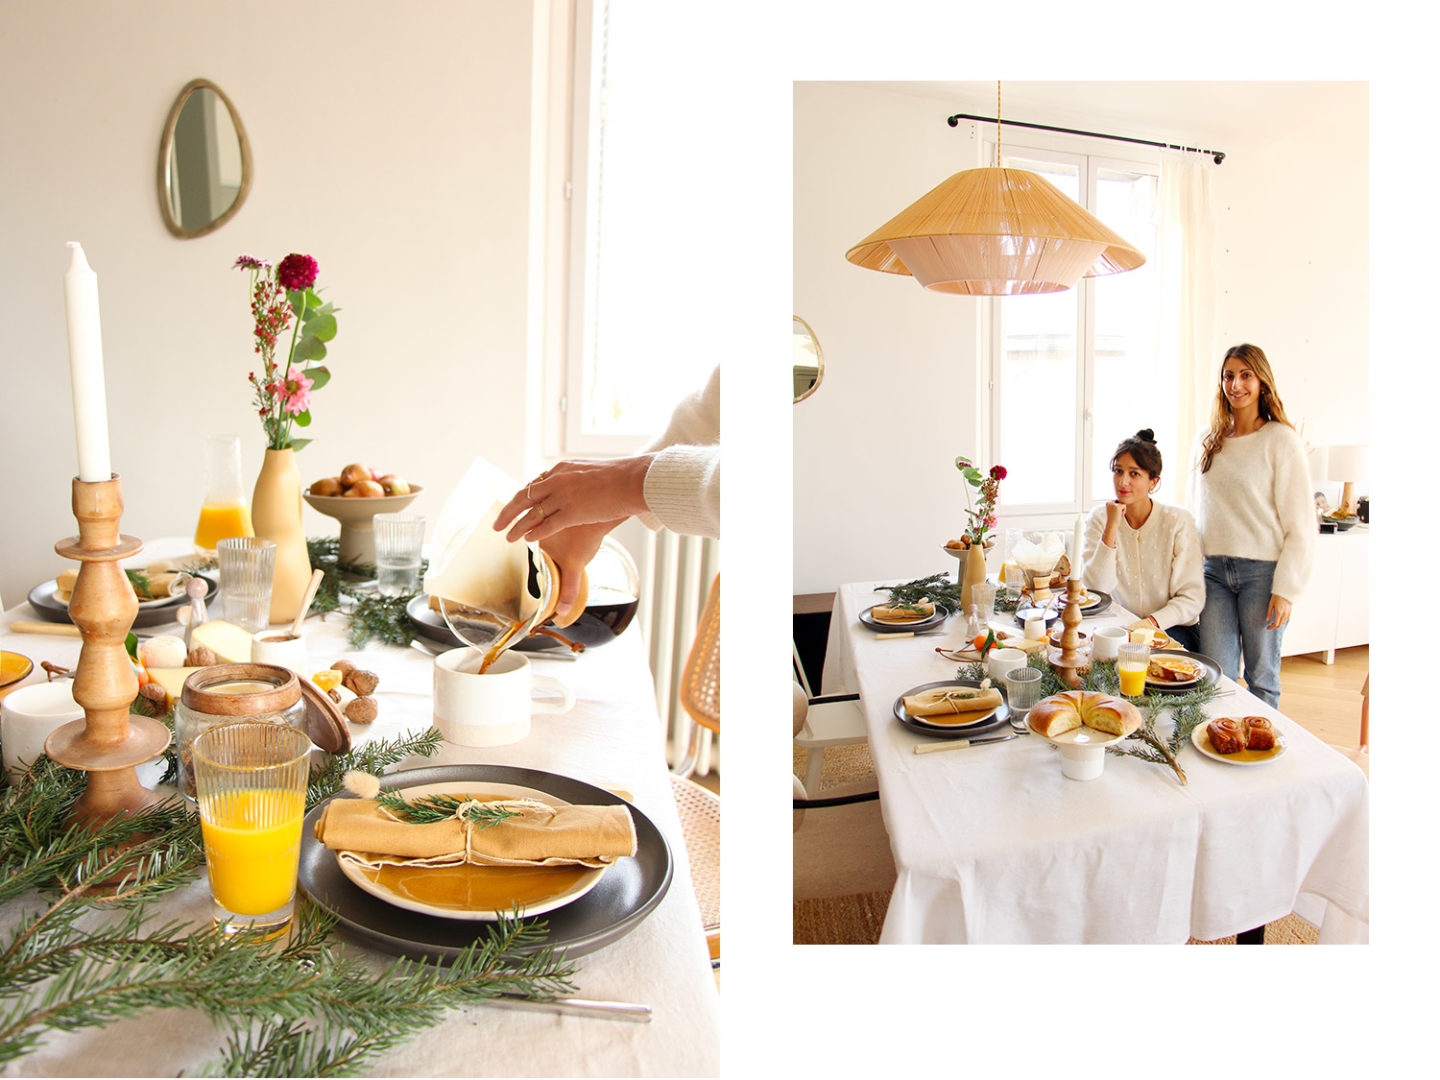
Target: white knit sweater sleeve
<point>1099,560</point>
<point>1187,574</point>
<point>1295,507</point>
<point>682,485</point>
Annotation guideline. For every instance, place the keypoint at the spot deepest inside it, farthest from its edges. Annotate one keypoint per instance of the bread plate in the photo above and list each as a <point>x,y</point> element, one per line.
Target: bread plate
<point>929,622</point>
<point>438,891</point>
<point>151,612</point>
<point>1210,673</point>
<point>1189,672</point>
<point>14,667</point>
<point>964,727</point>
<point>1200,738</point>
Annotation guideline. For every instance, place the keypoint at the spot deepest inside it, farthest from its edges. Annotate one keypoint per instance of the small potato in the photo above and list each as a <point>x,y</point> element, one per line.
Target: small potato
<point>329,486</point>
<point>365,489</point>
<point>353,474</point>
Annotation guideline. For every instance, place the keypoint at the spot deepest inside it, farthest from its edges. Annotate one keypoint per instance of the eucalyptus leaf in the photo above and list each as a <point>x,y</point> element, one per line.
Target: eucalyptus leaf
<point>302,419</point>
<point>297,301</point>
<point>320,374</point>
<point>309,349</point>
<point>321,326</point>
<point>299,444</point>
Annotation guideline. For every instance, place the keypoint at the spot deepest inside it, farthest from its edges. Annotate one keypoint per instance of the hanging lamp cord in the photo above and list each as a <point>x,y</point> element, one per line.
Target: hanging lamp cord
<point>997,123</point>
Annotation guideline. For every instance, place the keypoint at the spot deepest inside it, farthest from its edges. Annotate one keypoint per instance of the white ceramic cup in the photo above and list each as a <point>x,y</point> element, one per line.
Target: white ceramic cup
<point>495,708</point>
<point>28,716</point>
<point>1108,640</point>
<point>1002,660</point>
<point>1034,627</point>
<point>277,646</point>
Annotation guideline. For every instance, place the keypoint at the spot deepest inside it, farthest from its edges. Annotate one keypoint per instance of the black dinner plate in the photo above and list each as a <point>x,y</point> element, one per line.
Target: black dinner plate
<point>1210,678</point>
<point>928,623</point>
<point>42,599</point>
<point>628,892</point>
<point>995,721</point>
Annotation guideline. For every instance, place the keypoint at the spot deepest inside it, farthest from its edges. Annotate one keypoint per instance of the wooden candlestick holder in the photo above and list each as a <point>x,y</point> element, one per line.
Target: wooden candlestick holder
<point>1071,657</point>
<point>110,741</point>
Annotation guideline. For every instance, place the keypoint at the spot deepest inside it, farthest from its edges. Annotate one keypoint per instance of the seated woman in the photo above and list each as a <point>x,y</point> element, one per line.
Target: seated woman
<point>1144,553</point>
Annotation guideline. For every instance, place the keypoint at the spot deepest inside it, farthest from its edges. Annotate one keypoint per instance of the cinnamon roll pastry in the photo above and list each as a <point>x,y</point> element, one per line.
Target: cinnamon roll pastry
<point>1259,733</point>
<point>1227,736</point>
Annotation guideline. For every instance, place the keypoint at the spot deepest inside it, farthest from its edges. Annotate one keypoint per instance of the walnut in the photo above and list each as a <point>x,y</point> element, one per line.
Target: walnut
<point>342,666</point>
<point>362,710</point>
<point>362,682</point>
<point>200,656</point>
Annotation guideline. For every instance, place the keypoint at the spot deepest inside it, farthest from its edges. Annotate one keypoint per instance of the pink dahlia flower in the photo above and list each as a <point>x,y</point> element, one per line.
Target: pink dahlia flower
<point>296,272</point>
<point>296,392</point>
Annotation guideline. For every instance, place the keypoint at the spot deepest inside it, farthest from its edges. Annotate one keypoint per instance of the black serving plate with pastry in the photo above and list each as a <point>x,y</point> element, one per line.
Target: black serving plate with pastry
<point>916,626</point>
<point>984,723</point>
<point>628,892</point>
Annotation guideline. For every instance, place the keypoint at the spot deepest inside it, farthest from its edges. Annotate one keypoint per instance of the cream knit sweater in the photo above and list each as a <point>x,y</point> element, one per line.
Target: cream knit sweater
<point>1256,503</point>
<point>1153,570</point>
<point>682,485</point>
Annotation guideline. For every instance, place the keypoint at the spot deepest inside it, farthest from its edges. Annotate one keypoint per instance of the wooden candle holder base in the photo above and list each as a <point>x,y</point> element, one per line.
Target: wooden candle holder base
<point>1071,656</point>
<point>109,742</point>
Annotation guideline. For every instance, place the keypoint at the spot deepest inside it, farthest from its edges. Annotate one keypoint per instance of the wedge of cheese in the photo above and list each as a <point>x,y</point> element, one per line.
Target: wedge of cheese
<point>229,643</point>
<point>171,680</point>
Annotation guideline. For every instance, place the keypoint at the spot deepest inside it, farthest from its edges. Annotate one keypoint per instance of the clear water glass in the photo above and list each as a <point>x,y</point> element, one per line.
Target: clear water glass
<point>1022,692</point>
<point>983,597</point>
<point>247,575</point>
<point>399,540</point>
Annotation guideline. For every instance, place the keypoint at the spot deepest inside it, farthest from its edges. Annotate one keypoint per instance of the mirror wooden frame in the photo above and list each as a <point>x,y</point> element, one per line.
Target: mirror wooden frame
<point>819,360</point>
<point>167,143</point>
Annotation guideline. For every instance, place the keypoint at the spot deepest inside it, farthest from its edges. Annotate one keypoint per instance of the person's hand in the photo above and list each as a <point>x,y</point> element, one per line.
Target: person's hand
<point>1278,613</point>
<point>576,493</point>
<point>1113,513</point>
<point>572,550</point>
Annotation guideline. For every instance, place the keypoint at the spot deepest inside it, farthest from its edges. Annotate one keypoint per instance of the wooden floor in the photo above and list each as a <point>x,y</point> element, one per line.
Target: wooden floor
<point>1325,698</point>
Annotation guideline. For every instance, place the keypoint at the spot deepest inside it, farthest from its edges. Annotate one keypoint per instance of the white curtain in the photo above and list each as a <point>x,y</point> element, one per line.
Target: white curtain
<point>1185,258</point>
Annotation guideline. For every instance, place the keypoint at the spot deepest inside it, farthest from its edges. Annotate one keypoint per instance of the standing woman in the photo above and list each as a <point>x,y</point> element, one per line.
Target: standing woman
<point>1257,522</point>
<point>1146,552</point>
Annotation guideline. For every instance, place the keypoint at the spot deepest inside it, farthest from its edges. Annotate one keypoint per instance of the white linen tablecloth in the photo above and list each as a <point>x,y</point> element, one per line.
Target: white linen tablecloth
<point>993,845</point>
<point>611,738</point>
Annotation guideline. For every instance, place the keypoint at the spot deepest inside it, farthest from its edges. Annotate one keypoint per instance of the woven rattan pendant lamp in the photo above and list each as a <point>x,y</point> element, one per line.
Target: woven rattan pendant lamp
<point>996,232</point>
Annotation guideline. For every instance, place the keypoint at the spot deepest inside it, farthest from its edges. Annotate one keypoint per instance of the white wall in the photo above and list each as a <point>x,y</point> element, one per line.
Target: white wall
<point>394,143</point>
<point>876,492</point>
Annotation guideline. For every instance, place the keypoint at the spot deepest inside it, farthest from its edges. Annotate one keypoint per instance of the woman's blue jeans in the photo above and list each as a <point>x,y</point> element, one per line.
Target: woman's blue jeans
<point>1232,624</point>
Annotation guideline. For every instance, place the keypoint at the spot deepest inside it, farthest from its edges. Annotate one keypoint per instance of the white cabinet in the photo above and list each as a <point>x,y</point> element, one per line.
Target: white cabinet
<point>1334,611</point>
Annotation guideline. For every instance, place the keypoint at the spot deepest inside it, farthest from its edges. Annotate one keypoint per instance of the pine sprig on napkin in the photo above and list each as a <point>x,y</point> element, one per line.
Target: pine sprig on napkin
<point>431,808</point>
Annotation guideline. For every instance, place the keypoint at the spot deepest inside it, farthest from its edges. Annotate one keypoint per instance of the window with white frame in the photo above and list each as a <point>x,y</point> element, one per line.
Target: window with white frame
<point>1073,373</point>
<point>631,350</point>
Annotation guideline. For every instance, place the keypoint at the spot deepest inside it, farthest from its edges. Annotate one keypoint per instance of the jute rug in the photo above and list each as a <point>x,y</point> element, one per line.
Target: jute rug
<point>856,919</point>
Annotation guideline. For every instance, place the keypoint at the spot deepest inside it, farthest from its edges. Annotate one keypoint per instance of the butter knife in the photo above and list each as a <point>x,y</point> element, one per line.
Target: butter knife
<point>959,744</point>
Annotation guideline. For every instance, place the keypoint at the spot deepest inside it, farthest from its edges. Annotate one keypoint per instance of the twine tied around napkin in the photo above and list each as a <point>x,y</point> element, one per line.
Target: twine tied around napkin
<point>529,833</point>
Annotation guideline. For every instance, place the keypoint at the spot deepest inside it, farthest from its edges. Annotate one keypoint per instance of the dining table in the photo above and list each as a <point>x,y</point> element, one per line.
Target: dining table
<point>611,738</point>
<point>993,844</point>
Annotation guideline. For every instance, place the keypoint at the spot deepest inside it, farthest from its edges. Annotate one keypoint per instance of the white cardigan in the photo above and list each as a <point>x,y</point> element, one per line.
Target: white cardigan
<point>682,485</point>
<point>1153,570</point>
<point>1256,503</point>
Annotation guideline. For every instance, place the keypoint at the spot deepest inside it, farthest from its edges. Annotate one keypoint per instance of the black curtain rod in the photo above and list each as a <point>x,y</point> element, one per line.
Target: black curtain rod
<point>954,121</point>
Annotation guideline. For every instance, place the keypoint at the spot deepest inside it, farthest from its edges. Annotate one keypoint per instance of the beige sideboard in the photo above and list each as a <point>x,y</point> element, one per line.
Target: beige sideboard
<point>1334,611</point>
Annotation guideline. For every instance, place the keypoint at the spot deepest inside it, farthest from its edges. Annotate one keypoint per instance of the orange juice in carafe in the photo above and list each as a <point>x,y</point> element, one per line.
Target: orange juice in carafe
<point>224,512</point>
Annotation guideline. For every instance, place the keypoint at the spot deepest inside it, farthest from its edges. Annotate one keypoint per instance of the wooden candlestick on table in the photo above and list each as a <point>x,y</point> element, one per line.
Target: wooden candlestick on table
<point>109,742</point>
<point>1068,666</point>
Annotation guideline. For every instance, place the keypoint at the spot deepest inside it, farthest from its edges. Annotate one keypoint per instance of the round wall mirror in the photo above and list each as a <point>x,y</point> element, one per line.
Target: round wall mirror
<point>809,361</point>
<point>205,168</point>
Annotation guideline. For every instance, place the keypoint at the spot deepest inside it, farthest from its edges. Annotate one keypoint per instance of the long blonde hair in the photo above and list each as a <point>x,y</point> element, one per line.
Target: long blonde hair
<point>1222,417</point>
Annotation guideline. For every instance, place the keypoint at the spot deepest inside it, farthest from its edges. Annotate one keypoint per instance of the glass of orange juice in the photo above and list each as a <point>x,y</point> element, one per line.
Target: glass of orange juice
<point>250,780</point>
<point>225,511</point>
<point>1131,662</point>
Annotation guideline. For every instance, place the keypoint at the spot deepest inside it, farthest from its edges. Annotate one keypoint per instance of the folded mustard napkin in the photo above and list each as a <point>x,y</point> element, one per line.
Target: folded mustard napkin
<point>922,609</point>
<point>950,701</point>
<point>540,835</point>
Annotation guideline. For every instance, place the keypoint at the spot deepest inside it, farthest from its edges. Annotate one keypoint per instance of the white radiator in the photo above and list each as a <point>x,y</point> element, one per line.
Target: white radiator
<point>677,574</point>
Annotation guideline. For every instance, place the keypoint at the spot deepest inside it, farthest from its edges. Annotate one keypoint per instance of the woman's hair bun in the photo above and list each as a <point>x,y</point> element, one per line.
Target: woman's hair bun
<point>1145,434</point>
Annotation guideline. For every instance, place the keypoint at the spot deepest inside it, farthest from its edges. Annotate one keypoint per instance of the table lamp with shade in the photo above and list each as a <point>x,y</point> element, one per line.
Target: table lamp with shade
<point>1347,465</point>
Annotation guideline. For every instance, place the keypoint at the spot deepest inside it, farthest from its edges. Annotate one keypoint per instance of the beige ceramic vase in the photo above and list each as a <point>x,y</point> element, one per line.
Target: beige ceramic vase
<point>276,511</point>
<point>974,573</point>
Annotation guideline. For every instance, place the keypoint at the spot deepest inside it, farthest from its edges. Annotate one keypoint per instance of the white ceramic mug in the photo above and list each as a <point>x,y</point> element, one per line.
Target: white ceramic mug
<point>28,716</point>
<point>1108,640</point>
<point>277,646</point>
<point>495,708</point>
<point>1002,660</point>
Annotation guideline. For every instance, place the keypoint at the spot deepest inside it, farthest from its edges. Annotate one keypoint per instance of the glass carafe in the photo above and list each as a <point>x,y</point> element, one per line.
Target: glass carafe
<point>225,511</point>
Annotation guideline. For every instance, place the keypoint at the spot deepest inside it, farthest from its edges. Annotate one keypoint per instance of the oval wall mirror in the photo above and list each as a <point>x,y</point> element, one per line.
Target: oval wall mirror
<point>205,168</point>
<point>809,361</point>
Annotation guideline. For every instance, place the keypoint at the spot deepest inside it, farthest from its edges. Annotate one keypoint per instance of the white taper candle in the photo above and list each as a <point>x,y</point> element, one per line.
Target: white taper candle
<point>87,368</point>
<point>1079,546</point>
